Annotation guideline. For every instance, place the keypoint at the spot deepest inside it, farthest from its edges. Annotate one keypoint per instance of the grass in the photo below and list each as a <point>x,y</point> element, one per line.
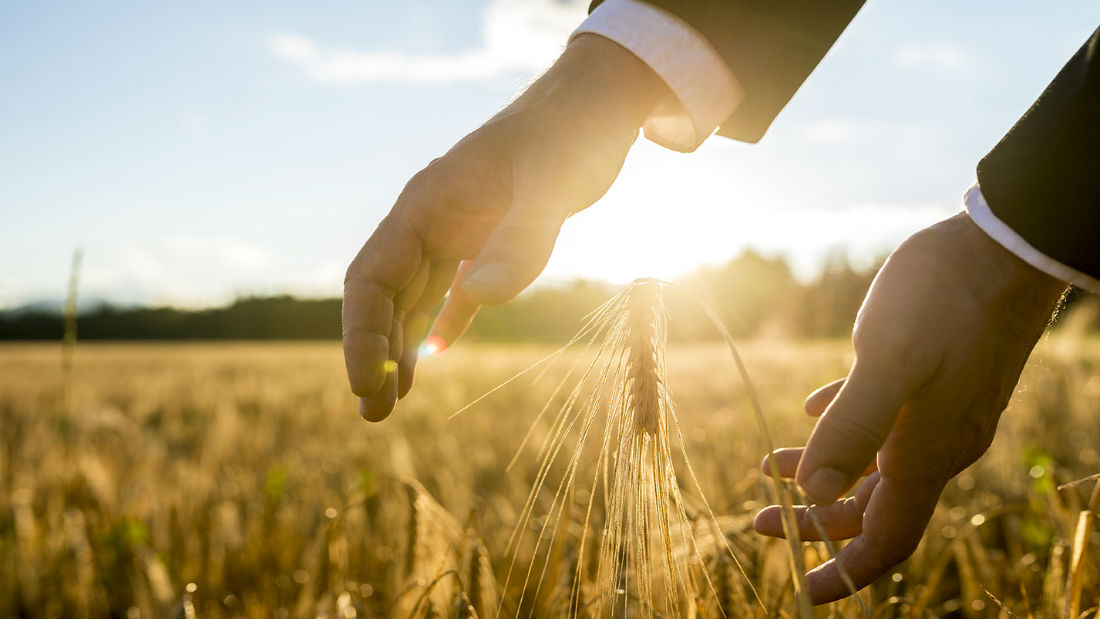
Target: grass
<point>237,480</point>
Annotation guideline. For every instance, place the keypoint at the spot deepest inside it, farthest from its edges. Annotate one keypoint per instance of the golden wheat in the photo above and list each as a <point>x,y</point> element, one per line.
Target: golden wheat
<point>622,400</point>
<point>243,470</point>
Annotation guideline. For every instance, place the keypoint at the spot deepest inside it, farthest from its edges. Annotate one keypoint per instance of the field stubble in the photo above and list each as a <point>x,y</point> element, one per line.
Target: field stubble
<point>237,480</point>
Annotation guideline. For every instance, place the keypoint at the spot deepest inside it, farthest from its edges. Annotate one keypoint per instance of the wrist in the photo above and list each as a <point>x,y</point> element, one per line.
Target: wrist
<point>616,72</point>
<point>598,79</point>
<point>1010,277</point>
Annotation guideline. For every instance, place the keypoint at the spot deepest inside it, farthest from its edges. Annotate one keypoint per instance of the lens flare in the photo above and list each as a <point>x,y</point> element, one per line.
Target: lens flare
<point>432,346</point>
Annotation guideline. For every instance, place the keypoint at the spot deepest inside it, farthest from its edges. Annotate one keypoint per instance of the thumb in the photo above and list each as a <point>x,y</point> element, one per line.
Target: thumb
<point>851,431</point>
<point>513,256</point>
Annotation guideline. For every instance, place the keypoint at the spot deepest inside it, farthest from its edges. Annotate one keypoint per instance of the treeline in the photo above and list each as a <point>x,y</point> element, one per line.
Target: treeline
<point>753,294</point>
<point>250,318</point>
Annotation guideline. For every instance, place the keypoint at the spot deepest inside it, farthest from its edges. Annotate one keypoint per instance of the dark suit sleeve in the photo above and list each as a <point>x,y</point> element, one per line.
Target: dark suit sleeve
<point>1043,178</point>
<point>771,46</point>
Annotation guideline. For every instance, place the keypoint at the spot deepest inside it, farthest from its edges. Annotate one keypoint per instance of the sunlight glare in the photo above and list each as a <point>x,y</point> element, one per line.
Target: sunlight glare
<point>432,346</point>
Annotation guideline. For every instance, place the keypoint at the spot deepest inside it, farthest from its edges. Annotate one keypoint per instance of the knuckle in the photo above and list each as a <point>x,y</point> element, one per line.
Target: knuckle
<point>351,274</point>
<point>974,439</point>
<point>429,174</point>
<point>526,238</point>
<point>852,431</point>
<point>520,233</point>
<point>887,553</point>
<point>881,343</point>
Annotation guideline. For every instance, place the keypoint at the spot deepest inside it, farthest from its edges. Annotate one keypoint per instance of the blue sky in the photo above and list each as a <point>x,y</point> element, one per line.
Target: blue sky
<point>203,150</point>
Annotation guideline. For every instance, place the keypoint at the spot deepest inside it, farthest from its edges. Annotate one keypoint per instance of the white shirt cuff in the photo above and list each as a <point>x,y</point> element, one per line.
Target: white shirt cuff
<point>999,231</point>
<point>704,90</point>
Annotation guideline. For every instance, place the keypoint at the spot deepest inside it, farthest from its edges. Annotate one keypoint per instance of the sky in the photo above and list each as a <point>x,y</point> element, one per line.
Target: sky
<point>200,151</point>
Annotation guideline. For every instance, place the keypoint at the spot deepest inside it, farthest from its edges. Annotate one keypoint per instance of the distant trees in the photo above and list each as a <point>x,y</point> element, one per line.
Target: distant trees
<point>827,306</point>
<point>750,293</point>
<point>754,295</point>
<point>545,314</point>
<point>281,317</point>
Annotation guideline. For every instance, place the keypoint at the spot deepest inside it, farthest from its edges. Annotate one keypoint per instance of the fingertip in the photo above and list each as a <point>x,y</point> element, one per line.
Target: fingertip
<point>819,400</point>
<point>786,460</point>
<point>769,521</point>
<point>379,405</point>
<point>826,585</point>
<point>405,372</point>
<point>434,344</point>
<point>765,465</point>
<point>371,412</point>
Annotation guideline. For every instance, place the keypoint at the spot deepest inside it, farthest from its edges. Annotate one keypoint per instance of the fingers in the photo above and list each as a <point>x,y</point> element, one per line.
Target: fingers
<point>457,313</point>
<point>441,276</point>
<point>787,459</point>
<point>513,256</point>
<point>819,400</point>
<point>895,518</point>
<point>886,518</point>
<point>379,405</point>
<point>387,262</point>
<point>851,431</point>
<point>415,326</point>
<point>410,294</point>
<point>841,520</point>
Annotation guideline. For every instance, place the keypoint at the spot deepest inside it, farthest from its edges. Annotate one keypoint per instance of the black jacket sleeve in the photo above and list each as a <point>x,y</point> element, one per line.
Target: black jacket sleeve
<point>771,46</point>
<point>1043,178</point>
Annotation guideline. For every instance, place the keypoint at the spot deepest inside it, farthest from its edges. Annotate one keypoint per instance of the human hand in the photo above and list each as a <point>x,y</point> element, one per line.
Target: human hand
<point>940,342</point>
<point>498,198</point>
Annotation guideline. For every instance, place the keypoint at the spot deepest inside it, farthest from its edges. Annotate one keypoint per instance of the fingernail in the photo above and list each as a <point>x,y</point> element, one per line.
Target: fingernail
<point>825,485</point>
<point>490,278</point>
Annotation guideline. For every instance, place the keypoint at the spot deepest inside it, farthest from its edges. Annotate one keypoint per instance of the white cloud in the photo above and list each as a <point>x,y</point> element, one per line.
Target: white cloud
<point>943,55</point>
<point>196,253</point>
<point>518,36</point>
<point>832,132</point>
<point>196,271</point>
<point>187,270</point>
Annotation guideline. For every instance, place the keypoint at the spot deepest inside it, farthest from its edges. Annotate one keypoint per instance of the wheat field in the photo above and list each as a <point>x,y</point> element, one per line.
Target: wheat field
<point>237,480</point>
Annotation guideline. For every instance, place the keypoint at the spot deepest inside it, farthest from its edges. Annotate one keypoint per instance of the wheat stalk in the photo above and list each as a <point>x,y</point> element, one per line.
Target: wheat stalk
<point>1075,573</point>
<point>622,390</point>
<point>624,386</point>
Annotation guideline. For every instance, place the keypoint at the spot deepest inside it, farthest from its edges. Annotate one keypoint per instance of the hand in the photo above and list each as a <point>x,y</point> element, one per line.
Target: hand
<point>939,345</point>
<point>498,197</point>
